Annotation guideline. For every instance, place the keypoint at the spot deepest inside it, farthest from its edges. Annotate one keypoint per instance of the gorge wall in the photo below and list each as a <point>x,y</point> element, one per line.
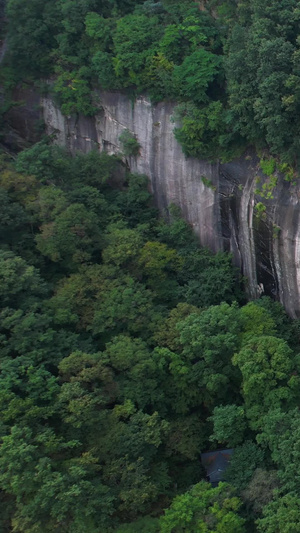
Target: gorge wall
<point>220,207</point>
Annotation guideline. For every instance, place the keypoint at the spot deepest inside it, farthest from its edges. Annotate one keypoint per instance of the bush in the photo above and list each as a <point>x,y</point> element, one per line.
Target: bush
<point>130,144</point>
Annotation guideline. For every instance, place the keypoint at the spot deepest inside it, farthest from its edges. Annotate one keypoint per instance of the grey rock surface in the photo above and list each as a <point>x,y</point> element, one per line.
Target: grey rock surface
<point>222,212</point>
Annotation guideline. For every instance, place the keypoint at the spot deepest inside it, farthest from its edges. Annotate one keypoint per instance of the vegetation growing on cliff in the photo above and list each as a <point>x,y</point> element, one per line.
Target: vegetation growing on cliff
<point>232,66</point>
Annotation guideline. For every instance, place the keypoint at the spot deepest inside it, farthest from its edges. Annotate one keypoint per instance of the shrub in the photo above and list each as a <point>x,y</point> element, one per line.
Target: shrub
<point>129,142</point>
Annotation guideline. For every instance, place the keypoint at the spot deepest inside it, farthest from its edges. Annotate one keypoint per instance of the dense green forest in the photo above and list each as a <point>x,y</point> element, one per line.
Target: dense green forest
<point>232,66</point>
<point>126,349</point>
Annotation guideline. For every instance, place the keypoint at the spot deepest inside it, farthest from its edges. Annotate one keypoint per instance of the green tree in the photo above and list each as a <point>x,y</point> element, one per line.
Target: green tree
<point>14,222</point>
<point>194,76</point>
<point>45,489</point>
<point>245,460</point>
<point>103,68</point>
<point>229,425</point>
<point>203,131</point>
<point>210,340</point>
<point>72,237</point>
<point>208,279</point>
<point>167,333</point>
<point>280,433</point>
<point>265,40</point>
<point>45,161</point>
<point>124,305</point>
<point>270,379</point>
<point>157,260</point>
<point>135,202</point>
<point>31,34</point>
<point>99,29</point>
<point>71,37</point>
<point>282,514</point>
<point>136,375</point>
<point>123,246</point>
<point>134,44</point>
<point>129,143</point>
<point>256,321</point>
<point>20,283</point>
<point>204,508</point>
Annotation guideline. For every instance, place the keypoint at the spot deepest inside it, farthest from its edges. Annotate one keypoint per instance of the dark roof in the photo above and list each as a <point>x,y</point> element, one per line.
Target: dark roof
<point>215,464</point>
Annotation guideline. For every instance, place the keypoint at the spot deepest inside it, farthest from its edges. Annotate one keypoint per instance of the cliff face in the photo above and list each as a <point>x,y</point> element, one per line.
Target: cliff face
<point>218,200</point>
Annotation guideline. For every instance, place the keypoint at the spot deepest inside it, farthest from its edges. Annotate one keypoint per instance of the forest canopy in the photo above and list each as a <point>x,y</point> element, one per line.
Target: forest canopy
<point>126,351</point>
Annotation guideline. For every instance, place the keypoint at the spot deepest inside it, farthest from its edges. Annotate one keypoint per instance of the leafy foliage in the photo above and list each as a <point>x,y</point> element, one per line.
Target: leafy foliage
<point>130,143</point>
<point>87,381</point>
<point>119,364</point>
<point>125,348</point>
<point>233,67</point>
<point>204,507</point>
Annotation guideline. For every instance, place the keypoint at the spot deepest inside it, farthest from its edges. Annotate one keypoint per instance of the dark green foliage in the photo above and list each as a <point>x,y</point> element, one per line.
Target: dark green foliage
<point>282,515</point>
<point>270,376</point>
<point>233,66</point>
<point>129,143</point>
<point>94,403</point>
<point>229,425</point>
<point>18,281</point>
<point>203,131</point>
<point>119,364</point>
<point>134,45</point>
<point>103,69</point>
<point>245,460</point>
<point>172,50</point>
<point>124,352</point>
<point>143,525</point>
<point>197,72</point>
<point>44,161</point>
<point>204,508</point>
<point>262,73</point>
<point>32,31</point>
<point>74,92</point>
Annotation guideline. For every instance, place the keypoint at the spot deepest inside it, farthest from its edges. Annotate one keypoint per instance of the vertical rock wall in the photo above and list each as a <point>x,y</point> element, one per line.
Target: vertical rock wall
<point>266,248</point>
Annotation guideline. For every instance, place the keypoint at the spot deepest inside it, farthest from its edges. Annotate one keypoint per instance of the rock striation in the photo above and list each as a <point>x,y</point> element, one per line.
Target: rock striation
<point>218,200</point>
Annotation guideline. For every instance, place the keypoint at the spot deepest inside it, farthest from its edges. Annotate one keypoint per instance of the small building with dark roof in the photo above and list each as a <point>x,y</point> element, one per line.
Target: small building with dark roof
<point>215,464</point>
